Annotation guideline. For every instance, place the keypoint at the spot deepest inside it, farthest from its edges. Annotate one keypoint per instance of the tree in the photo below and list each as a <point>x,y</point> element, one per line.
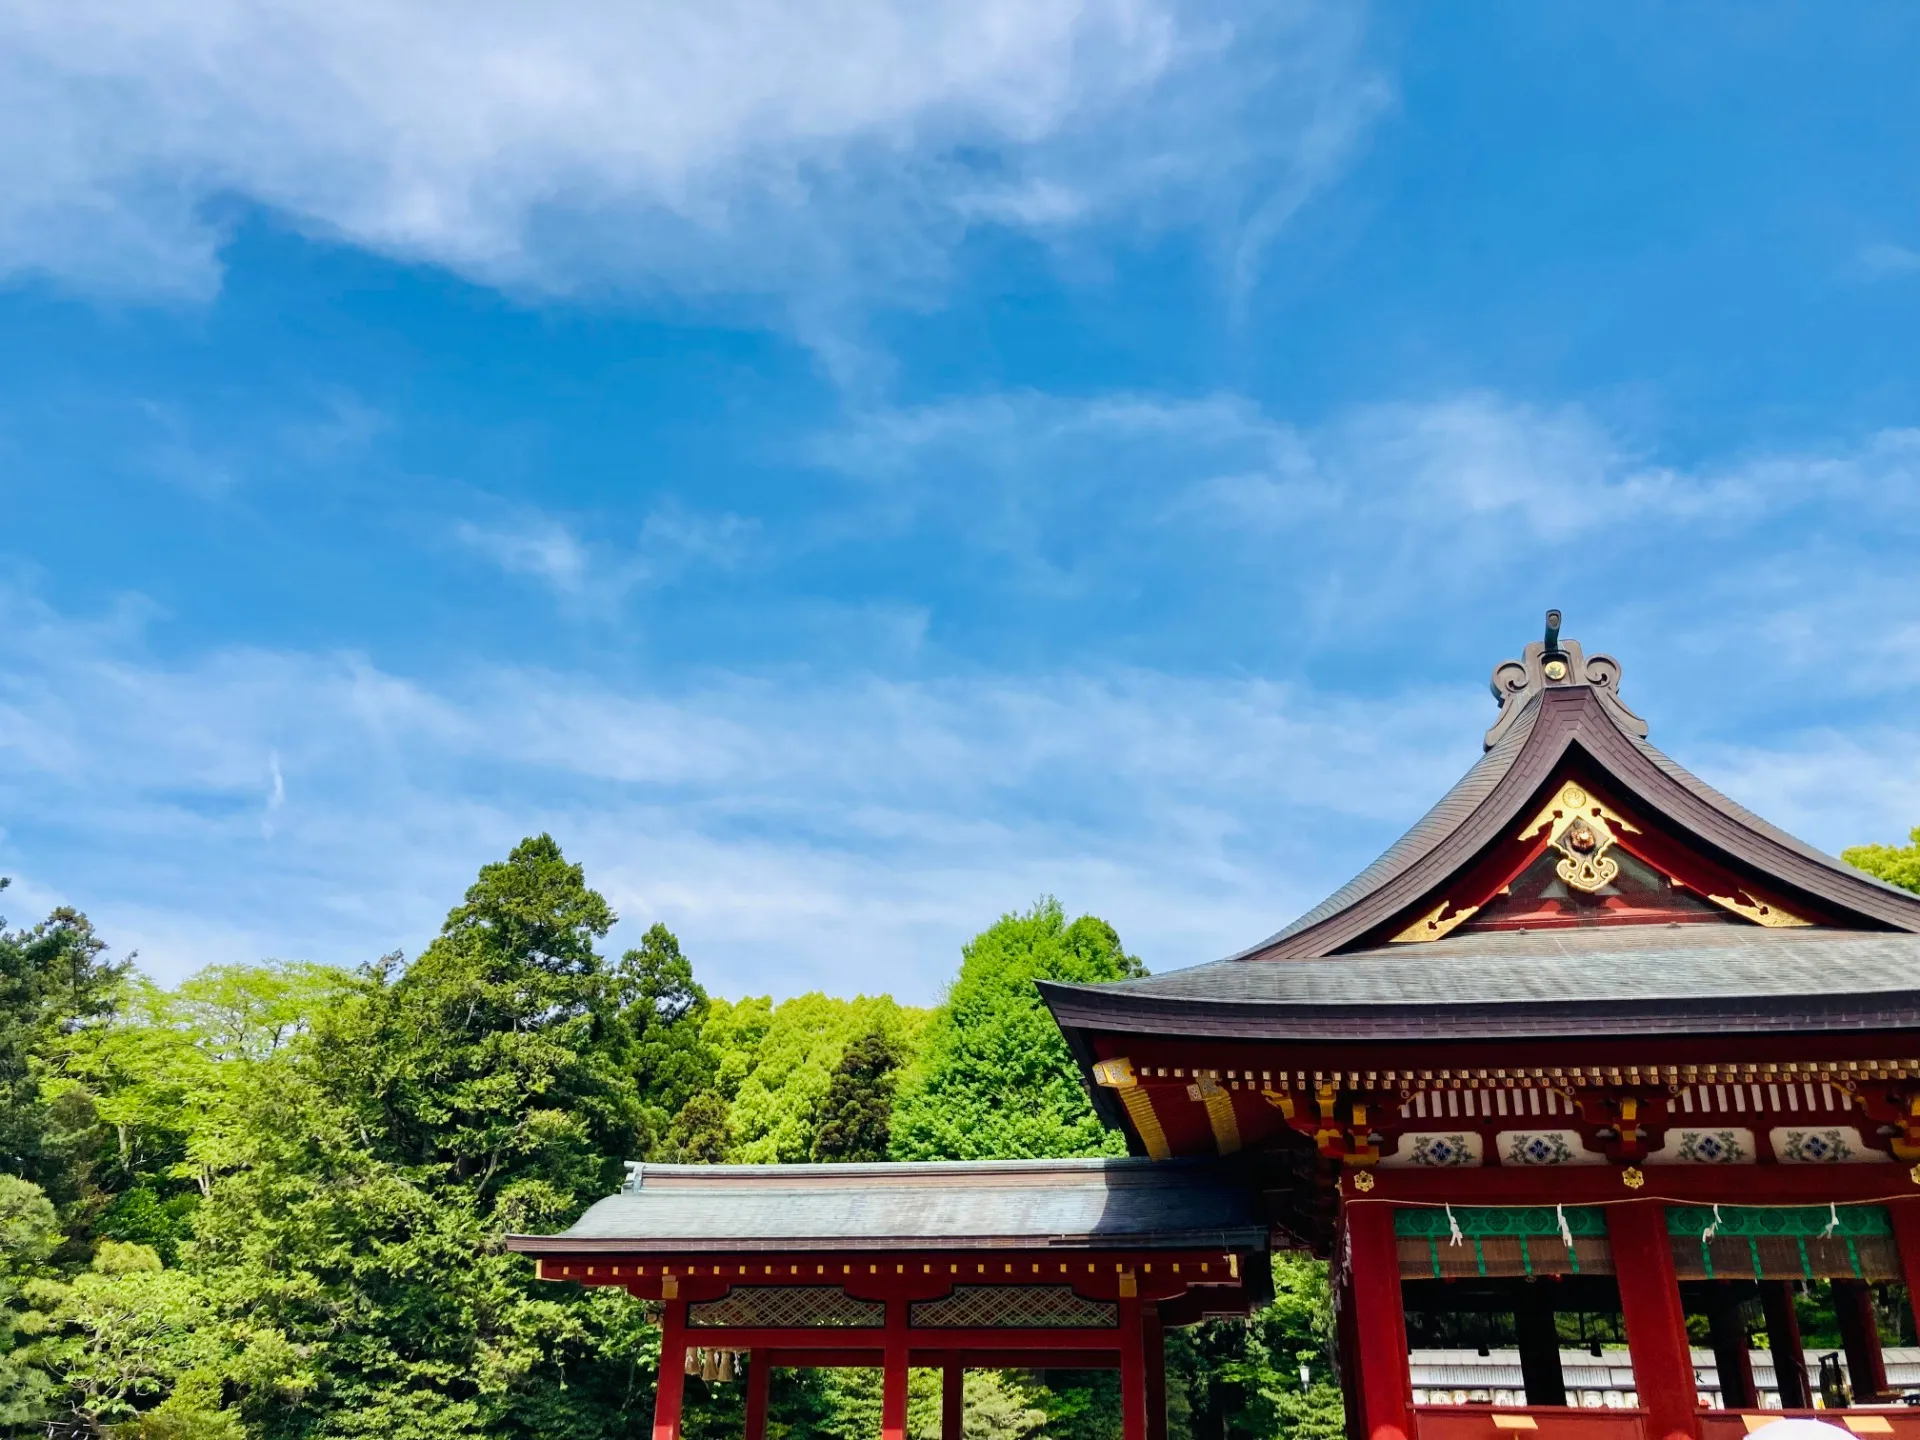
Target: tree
<point>54,980</point>
<point>856,1117</point>
<point>996,1080</point>
<point>784,1058</point>
<point>489,1086</point>
<point>501,1053</point>
<point>1240,1379</point>
<point>665,1008</point>
<point>701,1133</point>
<point>29,1233</point>
<point>1897,865</point>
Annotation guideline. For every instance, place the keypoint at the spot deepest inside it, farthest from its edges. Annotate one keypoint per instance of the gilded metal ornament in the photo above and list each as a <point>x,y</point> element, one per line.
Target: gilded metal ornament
<point>1363,1180</point>
<point>1632,1178</point>
<point>1582,830</point>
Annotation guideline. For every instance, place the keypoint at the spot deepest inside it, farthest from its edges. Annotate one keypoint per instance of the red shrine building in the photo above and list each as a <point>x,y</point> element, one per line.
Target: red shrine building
<point>1589,1043</point>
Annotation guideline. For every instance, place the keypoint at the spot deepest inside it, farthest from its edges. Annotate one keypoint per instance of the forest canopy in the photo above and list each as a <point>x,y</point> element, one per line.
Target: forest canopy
<point>269,1201</point>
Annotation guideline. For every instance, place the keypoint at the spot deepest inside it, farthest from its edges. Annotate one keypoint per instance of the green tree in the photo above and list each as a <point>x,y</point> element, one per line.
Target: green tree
<point>29,1233</point>
<point>665,1008</point>
<point>490,1086</point>
<point>856,1116</point>
<point>702,1133</point>
<point>1240,1379</point>
<point>995,1079</point>
<point>54,980</point>
<point>795,1048</point>
<point>1897,865</point>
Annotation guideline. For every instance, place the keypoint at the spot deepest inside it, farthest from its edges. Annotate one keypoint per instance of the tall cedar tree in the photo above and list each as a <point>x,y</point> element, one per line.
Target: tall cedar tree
<point>856,1118</point>
<point>54,978</point>
<point>489,1087</point>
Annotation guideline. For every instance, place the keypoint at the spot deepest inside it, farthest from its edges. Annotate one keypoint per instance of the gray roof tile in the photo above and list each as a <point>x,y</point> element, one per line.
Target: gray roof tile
<point>959,1204</point>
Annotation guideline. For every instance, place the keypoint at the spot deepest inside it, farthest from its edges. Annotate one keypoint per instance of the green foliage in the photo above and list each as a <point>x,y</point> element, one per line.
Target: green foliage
<point>1241,1378</point>
<point>856,1116</point>
<point>29,1234</point>
<point>54,981</point>
<point>702,1133</point>
<point>1897,865</point>
<point>995,1080</point>
<point>777,1063</point>
<point>665,1008</point>
<point>269,1204</point>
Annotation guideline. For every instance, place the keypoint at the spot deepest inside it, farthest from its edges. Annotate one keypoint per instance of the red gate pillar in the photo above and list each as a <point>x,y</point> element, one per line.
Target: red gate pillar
<point>1379,1322</point>
<point>1154,1338</point>
<point>1906,1235</point>
<point>673,1371</point>
<point>1860,1337</point>
<point>893,1380</point>
<point>1656,1325</point>
<point>1133,1370</point>
<point>953,1398</point>
<point>759,1374</point>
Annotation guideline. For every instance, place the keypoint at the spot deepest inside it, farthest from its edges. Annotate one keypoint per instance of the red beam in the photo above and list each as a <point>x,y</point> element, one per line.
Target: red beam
<point>873,1338</point>
<point>1597,1184</point>
<point>801,1358</point>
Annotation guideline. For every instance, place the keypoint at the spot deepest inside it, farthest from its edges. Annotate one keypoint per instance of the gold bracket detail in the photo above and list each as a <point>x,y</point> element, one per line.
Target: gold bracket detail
<point>1117,1074</point>
<point>1220,1116</point>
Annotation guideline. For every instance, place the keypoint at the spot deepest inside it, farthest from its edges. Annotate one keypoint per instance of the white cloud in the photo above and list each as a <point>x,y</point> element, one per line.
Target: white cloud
<point>593,578</point>
<point>804,149</point>
<point>848,833</point>
<point>1884,259</point>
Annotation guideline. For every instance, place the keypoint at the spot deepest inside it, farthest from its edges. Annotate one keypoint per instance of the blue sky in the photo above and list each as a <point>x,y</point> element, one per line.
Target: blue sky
<point>847,470</point>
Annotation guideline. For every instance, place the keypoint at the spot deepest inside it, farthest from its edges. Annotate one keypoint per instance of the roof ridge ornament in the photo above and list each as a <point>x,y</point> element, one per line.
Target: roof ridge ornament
<point>1551,663</point>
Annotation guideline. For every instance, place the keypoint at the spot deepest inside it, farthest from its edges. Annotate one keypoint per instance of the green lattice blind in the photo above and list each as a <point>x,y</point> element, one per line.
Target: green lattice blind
<point>1501,1240</point>
<point>1783,1242</point>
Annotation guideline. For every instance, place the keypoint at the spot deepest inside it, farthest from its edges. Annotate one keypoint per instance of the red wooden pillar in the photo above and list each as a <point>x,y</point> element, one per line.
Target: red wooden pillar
<point>953,1398</point>
<point>1133,1371</point>
<point>1154,1338</point>
<point>1860,1335</point>
<point>1656,1324</point>
<point>893,1378</point>
<point>759,1374</point>
<point>1783,1339</point>
<point>1906,1235</point>
<point>673,1371</point>
<point>1379,1322</point>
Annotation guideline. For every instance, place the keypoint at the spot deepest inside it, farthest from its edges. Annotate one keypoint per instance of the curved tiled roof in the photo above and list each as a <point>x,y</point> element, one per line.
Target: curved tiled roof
<point>1637,979</point>
<point>1433,827</point>
<point>955,1204</point>
<point>1529,747</point>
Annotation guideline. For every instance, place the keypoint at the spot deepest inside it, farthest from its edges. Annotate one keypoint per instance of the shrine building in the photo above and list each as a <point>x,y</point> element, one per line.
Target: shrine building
<point>1589,1046</point>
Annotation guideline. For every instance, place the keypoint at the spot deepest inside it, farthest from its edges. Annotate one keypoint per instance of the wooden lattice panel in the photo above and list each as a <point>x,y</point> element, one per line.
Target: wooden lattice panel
<point>788,1306</point>
<point>1035,1306</point>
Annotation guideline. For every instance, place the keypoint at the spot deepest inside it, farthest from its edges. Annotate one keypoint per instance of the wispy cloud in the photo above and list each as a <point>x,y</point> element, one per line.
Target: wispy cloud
<point>594,577</point>
<point>1884,259</point>
<point>798,831</point>
<point>799,151</point>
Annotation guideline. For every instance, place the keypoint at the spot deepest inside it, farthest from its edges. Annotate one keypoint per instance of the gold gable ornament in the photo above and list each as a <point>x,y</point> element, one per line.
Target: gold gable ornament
<point>1577,826</point>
